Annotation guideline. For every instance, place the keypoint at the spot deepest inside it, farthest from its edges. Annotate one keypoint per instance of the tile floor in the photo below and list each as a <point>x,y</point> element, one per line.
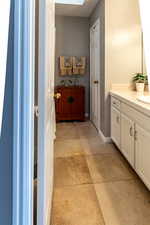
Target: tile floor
<point>93,183</point>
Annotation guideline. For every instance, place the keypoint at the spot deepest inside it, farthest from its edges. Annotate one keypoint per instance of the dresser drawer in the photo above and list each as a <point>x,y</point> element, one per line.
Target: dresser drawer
<point>115,103</point>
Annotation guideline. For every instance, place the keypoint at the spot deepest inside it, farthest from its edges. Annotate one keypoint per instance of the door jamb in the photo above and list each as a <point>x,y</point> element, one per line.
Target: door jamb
<point>97,22</point>
<point>23,132</point>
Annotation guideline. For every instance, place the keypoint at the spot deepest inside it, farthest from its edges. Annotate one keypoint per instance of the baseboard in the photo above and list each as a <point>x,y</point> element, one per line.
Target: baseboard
<point>86,115</point>
<point>49,208</point>
<point>105,139</point>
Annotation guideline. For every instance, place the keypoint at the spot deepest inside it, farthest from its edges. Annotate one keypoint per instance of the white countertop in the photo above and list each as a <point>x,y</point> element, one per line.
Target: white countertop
<point>130,98</point>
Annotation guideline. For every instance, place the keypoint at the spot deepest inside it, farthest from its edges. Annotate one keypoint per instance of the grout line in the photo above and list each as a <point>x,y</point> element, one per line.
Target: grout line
<point>94,183</point>
<point>86,155</point>
<point>117,180</point>
<point>102,214</point>
<point>74,185</point>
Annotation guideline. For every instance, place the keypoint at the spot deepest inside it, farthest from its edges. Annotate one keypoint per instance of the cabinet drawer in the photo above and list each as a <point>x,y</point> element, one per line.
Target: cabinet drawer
<point>136,116</point>
<point>115,103</point>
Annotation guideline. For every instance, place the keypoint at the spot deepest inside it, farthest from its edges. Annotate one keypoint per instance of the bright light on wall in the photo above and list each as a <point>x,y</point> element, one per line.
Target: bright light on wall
<point>4,30</point>
<point>145,19</point>
<point>70,2</point>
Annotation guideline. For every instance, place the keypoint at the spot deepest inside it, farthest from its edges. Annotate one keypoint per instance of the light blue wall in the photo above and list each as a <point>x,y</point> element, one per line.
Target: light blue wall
<point>6,140</point>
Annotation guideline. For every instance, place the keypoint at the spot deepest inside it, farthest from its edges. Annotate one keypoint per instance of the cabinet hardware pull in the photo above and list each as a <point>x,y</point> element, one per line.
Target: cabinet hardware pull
<point>96,82</point>
<point>135,135</point>
<point>117,119</point>
<point>131,131</point>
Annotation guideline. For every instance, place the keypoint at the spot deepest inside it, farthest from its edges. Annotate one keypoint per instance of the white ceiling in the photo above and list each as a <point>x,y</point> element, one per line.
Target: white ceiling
<point>76,10</point>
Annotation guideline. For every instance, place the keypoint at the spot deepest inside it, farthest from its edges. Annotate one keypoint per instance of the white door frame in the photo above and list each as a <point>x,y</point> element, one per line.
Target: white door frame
<point>23,133</point>
<point>45,99</point>
<point>97,23</point>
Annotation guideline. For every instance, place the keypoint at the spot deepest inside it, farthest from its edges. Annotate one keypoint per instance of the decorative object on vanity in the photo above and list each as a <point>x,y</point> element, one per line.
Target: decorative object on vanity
<point>140,80</point>
<point>66,65</point>
<point>79,65</point>
<point>66,83</point>
<point>71,105</point>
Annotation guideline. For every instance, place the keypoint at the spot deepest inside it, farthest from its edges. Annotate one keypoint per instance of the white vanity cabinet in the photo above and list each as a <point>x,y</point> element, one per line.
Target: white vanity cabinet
<point>127,138</point>
<point>130,131</point>
<point>142,153</point>
<point>115,126</point>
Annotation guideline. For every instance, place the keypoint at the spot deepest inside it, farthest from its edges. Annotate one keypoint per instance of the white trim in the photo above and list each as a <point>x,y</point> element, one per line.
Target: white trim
<point>46,124</point>
<point>86,115</point>
<point>97,23</point>
<point>105,139</point>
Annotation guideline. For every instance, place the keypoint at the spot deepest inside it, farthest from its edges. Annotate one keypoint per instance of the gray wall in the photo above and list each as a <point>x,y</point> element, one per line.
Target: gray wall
<point>6,139</point>
<point>72,39</point>
<point>123,46</point>
<point>99,13</point>
<point>120,58</point>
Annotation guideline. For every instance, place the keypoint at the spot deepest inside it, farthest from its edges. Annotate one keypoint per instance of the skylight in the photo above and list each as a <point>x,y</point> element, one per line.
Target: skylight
<point>70,2</point>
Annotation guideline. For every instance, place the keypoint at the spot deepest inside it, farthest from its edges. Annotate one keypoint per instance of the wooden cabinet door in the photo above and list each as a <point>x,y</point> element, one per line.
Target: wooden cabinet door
<point>142,152</point>
<point>127,138</point>
<point>71,104</point>
<point>77,105</point>
<point>115,126</point>
<point>63,106</point>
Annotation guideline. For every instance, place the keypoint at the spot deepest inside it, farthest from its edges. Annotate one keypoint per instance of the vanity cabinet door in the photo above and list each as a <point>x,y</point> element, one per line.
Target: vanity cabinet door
<point>127,138</point>
<point>115,126</point>
<point>142,147</point>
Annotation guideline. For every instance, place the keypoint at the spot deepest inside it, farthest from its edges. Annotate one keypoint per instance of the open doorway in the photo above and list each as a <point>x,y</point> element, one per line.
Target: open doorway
<point>77,75</point>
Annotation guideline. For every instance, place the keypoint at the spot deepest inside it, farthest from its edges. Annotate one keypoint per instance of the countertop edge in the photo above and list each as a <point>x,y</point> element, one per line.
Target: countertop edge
<point>141,107</point>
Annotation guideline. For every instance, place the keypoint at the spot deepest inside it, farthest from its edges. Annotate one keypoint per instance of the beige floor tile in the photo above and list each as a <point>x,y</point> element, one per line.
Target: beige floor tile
<point>68,148</point>
<point>109,167</point>
<point>87,132</point>
<point>96,145</point>
<point>124,202</point>
<point>64,125</point>
<point>84,124</point>
<point>67,133</point>
<point>76,205</point>
<point>71,171</point>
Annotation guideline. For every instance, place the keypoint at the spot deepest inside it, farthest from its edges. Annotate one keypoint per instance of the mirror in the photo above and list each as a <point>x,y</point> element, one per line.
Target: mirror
<point>145,19</point>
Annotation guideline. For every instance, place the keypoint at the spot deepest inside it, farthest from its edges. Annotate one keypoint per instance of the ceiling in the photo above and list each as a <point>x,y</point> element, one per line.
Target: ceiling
<point>76,10</point>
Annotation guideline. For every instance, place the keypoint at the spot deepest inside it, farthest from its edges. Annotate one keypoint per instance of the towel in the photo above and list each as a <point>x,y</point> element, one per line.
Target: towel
<point>66,65</point>
<point>79,65</point>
